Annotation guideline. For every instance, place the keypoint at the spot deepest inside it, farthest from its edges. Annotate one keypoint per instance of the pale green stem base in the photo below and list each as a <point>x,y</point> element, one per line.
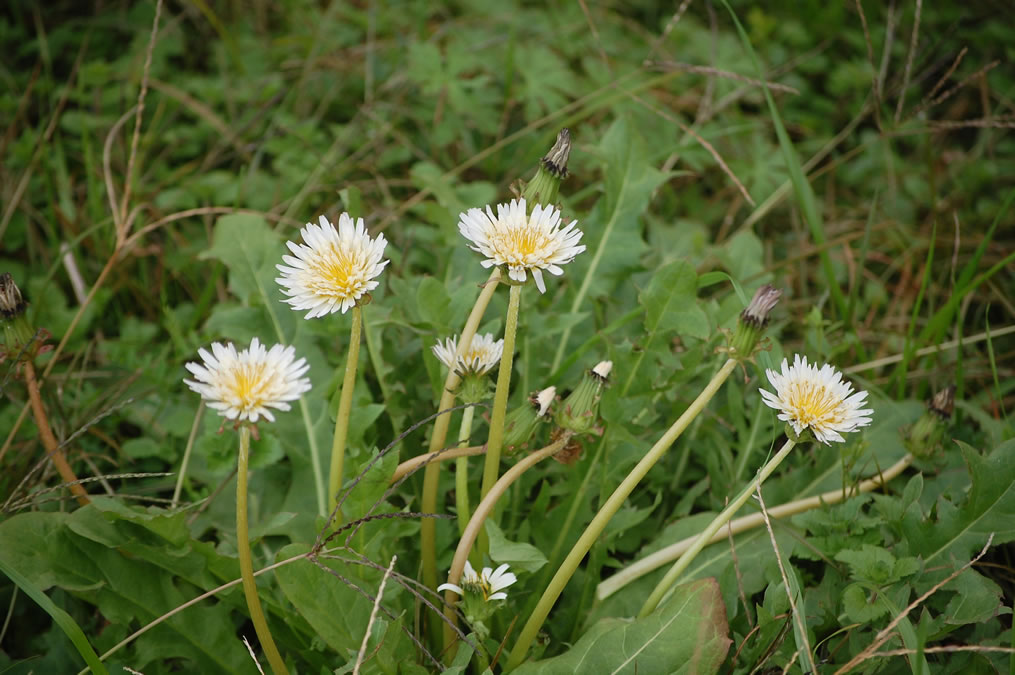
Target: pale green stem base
<point>431,474</point>
<point>475,527</point>
<point>494,442</point>
<point>186,455</point>
<point>462,471</point>
<point>342,418</point>
<point>706,535</point>
<point>606,513</point>
<point>737,526</point>
<point>247,564</point>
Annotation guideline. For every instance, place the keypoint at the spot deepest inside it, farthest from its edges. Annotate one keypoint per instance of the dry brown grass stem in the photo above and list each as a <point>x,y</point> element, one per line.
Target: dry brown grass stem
<point>667,66</point>
<point>49,441</point>
<point>913,39</point>
<point>373,616</point>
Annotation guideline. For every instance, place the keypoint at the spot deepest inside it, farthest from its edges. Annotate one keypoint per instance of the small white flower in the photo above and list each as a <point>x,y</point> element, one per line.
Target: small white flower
<point>482,355</point>
<point>816,399</point>
<point>602,369</point>
<point>242,386</point>
<point>490,583</point>
<point>522,242</point>
<point>333,268</point>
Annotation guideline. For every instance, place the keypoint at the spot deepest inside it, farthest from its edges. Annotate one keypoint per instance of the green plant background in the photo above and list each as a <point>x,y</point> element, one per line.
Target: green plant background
<point>881,211</point>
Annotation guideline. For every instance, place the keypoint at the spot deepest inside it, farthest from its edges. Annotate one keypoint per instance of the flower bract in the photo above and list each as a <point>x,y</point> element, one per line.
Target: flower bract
<point>243,385</point>
<point>333,268</point>
<point>489,583</point>
<point>808,397</point>
<point>482,355</point>
<point>522,242</point>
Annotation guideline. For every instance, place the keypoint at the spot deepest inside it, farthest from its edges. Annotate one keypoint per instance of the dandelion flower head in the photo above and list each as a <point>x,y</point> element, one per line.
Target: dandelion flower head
<point>482,355</point>
<point>243,385</point>
<point>333,268</point>
<point>489,583</point>
<point>523,243</point>
<point>818,399</point>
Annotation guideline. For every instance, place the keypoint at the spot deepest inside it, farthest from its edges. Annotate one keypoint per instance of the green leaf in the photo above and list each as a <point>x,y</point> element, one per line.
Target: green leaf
<point>519,555</point>
<point>860,607</point>
<point>60,617</point>
<point>671,304</point>
<point>687,634</point>
<point>977,599</point>
<point>960,531</point>
<point>250,250</point>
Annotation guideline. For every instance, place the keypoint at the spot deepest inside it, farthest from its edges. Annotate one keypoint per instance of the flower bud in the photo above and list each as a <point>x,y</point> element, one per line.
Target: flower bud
<point>752,321</point>
<point>521,423</point>
<point>580,411</point>
<point>18,334</point>
<point>543,188</point>
<point>926,434</point>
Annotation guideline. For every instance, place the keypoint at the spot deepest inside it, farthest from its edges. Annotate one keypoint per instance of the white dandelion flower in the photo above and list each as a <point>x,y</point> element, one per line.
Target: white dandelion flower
<point>523,243</point>
<point>242,386</point>
<point>332,269</point>
<point>482,355</point>
<point>489,583</point>
<point>816,399</point>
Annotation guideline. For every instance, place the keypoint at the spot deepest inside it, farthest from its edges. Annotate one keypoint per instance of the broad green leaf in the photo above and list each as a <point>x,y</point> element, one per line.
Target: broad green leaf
<point>960,531</point>
<point>338,612</point>
<point>519,555</point>
<point>687,634</point>
<point>977,599</point>
<point>250,250</point>
<point>670,302</point>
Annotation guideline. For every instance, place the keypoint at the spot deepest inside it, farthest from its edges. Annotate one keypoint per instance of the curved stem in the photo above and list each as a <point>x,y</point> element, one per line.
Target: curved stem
<point>706,535</point>
<point>608,510</point>
<point>739,525</point>
<point>475,526</point>
<point>246,563</point>
<point>344,408</point>
<point>462,471</point>
<point>413,463</point>
<point>491,467</point>
<point>49,442</point>
<point>431,475</point>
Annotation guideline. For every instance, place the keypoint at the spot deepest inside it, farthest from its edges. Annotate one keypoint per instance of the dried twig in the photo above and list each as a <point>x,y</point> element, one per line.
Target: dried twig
<point>373,616</point>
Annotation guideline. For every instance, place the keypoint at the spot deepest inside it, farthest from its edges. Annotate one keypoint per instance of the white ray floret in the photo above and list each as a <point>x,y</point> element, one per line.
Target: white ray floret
<point>489,583</point>
<point>332,269</point>
<point>523,243</point>
<point>818,399</point>
<point>243,385</point>
<point>482,355</point>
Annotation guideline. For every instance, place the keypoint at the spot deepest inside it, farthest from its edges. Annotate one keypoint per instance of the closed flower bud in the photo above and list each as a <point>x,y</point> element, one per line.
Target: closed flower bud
<point>580,411</point>
<point>18,334</point>
<point>544,187</point>
<point>925,435</point>
<point>752,321</point>
<point>521,423</point>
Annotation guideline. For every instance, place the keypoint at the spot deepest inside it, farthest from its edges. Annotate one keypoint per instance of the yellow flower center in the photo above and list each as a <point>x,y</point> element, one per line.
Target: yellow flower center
<point>813,405</point>
<point>248,384</point>
<point>336,273</point>
<point>522,243</point>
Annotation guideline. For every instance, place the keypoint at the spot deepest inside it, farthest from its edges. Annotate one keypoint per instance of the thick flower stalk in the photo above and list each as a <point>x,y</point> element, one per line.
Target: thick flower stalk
<point>810,399</point>
<point>245,386</point>
<point>471,365</point>
<point>333,271</point>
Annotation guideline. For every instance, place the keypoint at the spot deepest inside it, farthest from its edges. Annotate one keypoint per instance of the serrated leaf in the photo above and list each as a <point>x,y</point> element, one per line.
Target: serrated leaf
<point>960,531</point>
<point>861,608</point>
<point>670,302</point>
<point>249,249</point>
<point>977,599</point>
<point>687,634</point>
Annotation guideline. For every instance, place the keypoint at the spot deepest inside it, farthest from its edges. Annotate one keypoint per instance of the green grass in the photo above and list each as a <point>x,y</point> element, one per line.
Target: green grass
<point>868,180</point>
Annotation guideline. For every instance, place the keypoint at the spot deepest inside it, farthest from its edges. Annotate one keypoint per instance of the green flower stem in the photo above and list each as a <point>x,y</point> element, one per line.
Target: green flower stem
<point>247,565</point>
<point>344,408</point>
<point>491,468</point>
<point>428,504</point>
<point>462,470</point>
<point>608,510</point>
<point>186,455</point>
<point>706,535</point>
<point>667,555</point>
<point>475,526</point>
